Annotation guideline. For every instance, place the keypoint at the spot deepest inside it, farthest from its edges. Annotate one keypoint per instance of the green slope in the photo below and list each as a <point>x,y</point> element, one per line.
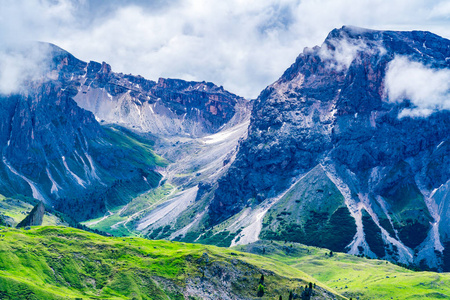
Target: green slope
<point>126,164</point>
<point>354,276</point>
<point>406,204</point>
<point>122,219</point>
<point>313,212</point>
<point>66,263</point>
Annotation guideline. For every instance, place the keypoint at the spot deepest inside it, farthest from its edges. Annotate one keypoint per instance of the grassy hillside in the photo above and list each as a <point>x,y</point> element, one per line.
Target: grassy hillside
<point>354,276</point>
<point>66,263</point>
<point>127,166</point>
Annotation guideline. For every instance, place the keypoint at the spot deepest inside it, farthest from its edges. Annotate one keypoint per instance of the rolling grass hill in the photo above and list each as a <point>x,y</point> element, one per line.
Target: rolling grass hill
<point>53,262</point>
<point>356,277</point>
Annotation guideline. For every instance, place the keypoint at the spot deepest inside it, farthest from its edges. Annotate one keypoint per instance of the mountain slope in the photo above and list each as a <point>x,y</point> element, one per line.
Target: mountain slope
<point>57,152</point>
<point>53,150</point>
<point>337,108</point>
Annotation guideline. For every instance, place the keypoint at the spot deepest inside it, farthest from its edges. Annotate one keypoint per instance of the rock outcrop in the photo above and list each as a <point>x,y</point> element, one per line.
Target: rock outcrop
<point>35,217</point>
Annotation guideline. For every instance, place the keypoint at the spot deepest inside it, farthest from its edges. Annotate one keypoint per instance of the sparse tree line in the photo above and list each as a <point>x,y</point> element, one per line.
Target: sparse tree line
<point>306,292</point>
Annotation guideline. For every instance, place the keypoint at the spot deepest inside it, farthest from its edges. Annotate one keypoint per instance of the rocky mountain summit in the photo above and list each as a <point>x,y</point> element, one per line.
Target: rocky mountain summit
<point>350,119</point>
<point>168,107</point>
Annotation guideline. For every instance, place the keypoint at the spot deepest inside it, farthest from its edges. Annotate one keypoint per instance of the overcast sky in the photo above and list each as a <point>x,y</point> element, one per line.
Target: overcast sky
<point>243,45</point>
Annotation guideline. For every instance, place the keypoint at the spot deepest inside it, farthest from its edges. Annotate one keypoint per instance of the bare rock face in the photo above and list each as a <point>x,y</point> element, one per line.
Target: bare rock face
<point>169,107</point>
<point>35,217</point>
<point>45,136</point>
<point>339,107</point>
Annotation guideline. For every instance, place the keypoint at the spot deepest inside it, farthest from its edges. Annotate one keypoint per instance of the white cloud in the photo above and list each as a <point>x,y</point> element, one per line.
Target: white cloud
<point>428,89</point>
<point>344,52</point>
<point>244,45</point>
<point>21,64</point>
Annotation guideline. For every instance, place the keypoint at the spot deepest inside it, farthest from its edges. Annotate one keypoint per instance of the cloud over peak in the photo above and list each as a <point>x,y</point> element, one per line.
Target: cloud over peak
<point>243,45</point>
<point>427,89</point>
<point>22,63</point>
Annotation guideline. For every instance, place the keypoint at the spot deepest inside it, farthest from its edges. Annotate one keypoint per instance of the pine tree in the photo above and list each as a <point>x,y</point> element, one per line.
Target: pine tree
<point>260,290</point>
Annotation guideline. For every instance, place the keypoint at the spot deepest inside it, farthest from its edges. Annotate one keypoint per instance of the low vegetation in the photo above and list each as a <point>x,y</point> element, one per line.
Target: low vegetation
<point>313,212</point>
<point>65,263</point>
<point>356,277</point>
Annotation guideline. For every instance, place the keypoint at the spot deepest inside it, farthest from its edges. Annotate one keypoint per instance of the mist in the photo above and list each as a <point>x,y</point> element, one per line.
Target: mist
<point>20,64</point>
<point>426,88</point>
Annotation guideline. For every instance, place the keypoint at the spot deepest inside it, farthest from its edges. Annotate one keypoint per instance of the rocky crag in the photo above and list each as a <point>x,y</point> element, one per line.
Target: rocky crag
<point>169,107</point>
<point>351,142</point>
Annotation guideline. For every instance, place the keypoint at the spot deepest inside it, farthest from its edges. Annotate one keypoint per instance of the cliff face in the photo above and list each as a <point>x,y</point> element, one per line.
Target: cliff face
<point>338,107</point>
<point>169,107</point>
<point>42,129</point>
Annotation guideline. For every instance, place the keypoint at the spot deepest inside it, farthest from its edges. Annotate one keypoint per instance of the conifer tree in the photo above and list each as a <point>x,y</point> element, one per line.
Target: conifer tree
<point>260,290</point>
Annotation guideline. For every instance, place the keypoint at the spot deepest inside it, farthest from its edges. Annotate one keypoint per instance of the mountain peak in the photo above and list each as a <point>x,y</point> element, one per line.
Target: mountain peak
<point>358,109</point>
<point>354,32</point>
<point>350,31</point>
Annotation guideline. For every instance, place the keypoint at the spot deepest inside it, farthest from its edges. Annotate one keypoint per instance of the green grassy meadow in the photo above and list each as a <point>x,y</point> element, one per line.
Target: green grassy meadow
<point>51,262</point>
<point>354,276</point>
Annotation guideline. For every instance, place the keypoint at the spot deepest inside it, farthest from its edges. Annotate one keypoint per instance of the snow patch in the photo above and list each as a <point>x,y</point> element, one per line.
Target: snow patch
<point>440,144</point>
<point>225,135</point>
